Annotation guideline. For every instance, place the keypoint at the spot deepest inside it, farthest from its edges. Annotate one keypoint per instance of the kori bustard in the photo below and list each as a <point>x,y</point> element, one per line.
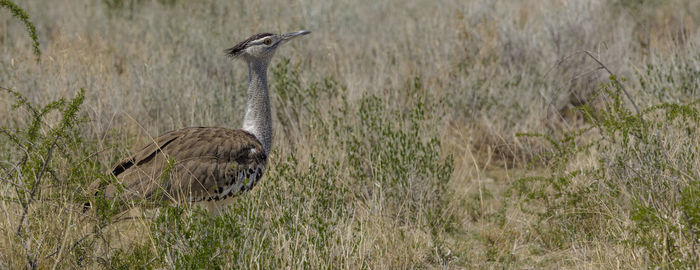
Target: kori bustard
<point>208,164</point>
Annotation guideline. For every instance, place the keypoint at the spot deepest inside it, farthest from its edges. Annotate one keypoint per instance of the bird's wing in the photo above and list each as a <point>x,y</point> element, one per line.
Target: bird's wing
<point>192,164</point>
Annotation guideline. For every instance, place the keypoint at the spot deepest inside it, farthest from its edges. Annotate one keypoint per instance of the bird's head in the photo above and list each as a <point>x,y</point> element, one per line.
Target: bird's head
<point>262,45</point>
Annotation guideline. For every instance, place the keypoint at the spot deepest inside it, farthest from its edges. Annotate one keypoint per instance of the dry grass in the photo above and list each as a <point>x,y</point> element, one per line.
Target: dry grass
<point>487,70</point>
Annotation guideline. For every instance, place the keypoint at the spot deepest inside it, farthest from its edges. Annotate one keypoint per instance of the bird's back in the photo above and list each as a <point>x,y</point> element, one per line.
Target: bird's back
<point>191,165</point>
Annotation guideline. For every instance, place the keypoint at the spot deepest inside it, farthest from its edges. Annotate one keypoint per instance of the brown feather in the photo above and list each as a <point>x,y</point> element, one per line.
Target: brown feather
<point>208,160</point>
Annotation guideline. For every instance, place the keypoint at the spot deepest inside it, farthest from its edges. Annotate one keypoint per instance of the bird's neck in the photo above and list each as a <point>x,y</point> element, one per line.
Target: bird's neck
<point>258,119</point>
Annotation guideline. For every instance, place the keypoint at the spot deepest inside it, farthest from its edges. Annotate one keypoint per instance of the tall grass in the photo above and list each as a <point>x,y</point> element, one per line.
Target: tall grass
<point>640,193</point>
<point>396,129</point>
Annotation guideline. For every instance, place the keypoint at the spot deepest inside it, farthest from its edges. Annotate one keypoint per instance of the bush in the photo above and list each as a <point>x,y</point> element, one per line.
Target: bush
<point>641,191</point>
<point>46,167</point>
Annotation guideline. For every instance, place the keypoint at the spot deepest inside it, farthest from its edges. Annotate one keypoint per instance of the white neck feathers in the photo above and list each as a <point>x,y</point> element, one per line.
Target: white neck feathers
<point>258,119</point>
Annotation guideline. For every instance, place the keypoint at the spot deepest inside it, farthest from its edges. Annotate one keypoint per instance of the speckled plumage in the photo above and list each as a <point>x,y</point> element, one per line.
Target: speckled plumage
<point>207,164</point>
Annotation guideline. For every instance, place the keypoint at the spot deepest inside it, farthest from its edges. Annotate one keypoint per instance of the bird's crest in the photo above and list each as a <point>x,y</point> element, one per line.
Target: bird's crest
<point>236,50</point>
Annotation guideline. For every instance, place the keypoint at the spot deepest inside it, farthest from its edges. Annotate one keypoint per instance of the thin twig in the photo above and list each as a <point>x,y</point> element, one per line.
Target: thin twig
<point>75,244</point>
<point>20,14</point>
<point>66,230</point>
<point>34,262</point>
<point>559,62</point>
<point>8,181</point>
<point>37,181</point>
<point>624,90</point>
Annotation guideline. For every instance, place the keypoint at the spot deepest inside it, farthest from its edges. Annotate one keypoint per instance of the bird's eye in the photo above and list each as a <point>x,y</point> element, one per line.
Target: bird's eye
<point>267,41</point>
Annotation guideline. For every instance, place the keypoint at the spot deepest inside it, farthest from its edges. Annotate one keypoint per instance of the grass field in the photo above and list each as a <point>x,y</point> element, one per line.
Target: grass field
<point>408,134</point>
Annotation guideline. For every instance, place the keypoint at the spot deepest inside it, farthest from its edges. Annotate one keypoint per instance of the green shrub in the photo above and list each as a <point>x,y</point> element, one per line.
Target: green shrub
<point>642,190</point>
<point>20,14</point>
<point>43,176</point>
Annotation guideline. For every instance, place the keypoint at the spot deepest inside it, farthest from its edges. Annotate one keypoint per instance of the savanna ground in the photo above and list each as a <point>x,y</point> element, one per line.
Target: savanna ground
<point>408,134</point>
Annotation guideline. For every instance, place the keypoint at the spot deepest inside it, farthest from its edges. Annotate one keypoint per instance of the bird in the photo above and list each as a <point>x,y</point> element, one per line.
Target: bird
<point>207,164</point>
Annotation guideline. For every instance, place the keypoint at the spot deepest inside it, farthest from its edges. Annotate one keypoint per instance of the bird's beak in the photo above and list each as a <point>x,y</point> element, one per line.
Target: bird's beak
<point>292,35</point>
